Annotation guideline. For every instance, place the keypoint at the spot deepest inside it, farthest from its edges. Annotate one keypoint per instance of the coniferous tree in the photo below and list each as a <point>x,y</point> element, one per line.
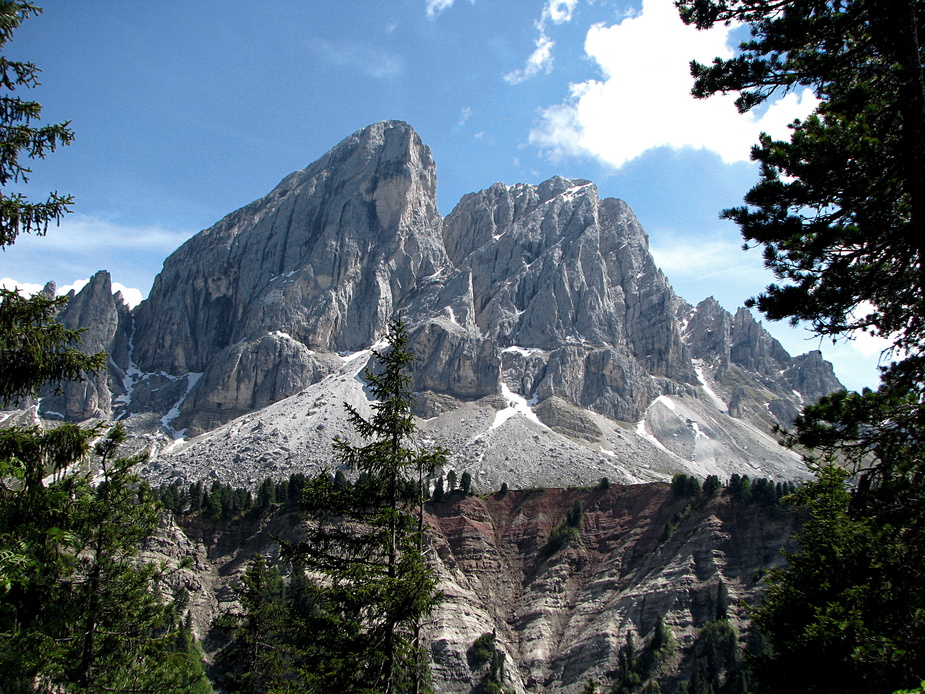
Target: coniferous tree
<point>366,542</point>
<point>465,483</point>
<point>77,612</point>
<point>21,135</point>
<point>839,209</point>
<point>257,659</point>
<point>439,494</point>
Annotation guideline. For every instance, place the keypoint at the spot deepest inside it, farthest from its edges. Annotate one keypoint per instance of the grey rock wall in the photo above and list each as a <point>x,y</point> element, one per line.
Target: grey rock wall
<point>545,294</point>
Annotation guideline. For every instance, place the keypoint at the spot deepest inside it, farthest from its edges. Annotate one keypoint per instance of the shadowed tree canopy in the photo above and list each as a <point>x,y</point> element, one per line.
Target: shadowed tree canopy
<point>839,210</point>
<point>22,135</point>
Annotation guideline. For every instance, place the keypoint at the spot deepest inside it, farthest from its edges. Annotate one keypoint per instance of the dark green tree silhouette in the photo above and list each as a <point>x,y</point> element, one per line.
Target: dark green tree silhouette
<point>839,210</point>
<point>257,660</point>
<point>366,544</point>
<point>22,135</point>
<point>465,483</point>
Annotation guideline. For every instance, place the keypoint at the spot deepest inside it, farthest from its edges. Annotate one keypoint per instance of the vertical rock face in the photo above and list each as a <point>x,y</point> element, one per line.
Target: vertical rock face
<point>525,296</point>
<point>106,321</point>
<point>708,331</point>
<point>811,376</point>
<point>326,258</point>
<point>753,348</point>
<point>555,268</point>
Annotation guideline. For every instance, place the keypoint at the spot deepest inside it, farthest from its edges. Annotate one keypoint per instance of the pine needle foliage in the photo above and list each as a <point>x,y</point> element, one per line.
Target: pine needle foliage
<point>370,584</point>
<point>22,135</point>
<point>839,210</point>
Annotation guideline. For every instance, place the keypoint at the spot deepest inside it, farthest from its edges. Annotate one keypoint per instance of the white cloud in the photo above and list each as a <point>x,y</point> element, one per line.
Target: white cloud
<point>131,295</point>
<point>464,116</point>
<point>84,244</point>
<point>559,11</point>
<point>435,7</point>
<point>83,233</point>
<point>644,102</point>
<point>708,264</point>
<point>24,288</point>
<point>540,61</point>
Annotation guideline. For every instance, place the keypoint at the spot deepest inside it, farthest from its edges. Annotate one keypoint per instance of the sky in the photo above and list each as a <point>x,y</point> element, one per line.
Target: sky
<point>186,111</point>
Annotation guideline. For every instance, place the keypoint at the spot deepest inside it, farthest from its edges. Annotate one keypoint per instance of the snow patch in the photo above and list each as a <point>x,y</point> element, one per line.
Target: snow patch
<point>644,432</point>
<point>132,374</point>
<point>667,402</point>
<point>523,351</point>
<point>192,380</point>
<point>517,404</point>
<point>698,434</point>
<point>711,394</point>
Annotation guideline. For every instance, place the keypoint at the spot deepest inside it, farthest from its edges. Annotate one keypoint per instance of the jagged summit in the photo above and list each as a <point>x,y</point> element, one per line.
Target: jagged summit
<point>548,345</point>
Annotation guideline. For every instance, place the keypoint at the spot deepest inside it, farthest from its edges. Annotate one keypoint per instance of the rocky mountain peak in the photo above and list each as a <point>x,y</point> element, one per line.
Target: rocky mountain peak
<point>541,327</point>
<point>105,319</point>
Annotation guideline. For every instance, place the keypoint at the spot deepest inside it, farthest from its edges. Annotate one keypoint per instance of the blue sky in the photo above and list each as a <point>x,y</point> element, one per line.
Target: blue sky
<point>185,111</point>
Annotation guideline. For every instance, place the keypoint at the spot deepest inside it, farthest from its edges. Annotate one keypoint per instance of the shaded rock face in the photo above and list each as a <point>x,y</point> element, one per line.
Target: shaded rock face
<point>326,258</point>
<point>562,619</point>
<point>523,295</point>
<point>107,322</point>
<point>709,331</point>
<point>811,376</point>
<point>559,618</point>
<point>554,265</point>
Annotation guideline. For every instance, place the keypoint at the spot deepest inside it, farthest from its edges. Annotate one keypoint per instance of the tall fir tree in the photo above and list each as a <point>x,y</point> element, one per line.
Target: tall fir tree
<point>839,209</point>
<point>77,612</point>
<point>365,546</point>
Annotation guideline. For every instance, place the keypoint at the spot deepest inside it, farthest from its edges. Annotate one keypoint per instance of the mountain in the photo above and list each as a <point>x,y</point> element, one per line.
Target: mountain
<point>549,347</point>
<point>559,617</point>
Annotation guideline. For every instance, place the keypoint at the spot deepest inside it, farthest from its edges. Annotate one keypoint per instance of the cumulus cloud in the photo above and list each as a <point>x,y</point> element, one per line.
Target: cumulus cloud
<point>643,99</point>
<point>24,288</point>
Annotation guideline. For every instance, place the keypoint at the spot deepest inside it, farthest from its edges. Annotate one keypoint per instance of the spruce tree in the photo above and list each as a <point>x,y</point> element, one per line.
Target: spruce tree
<point>365,545</point>
<point>77,611</point>
<point>839,209</point>
<point>256,660</point>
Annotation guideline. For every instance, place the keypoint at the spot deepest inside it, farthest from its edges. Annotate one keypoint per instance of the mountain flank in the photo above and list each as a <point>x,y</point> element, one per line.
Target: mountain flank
<point>550,349</point>
<point>642,555</point>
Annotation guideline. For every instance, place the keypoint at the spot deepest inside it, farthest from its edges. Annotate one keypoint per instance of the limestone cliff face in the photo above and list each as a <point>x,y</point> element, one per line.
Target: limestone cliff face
<point>527,302</point>
<point>106,321</point>
<point>558,619</point>
<point>556,268</point>
<point>326,258</point>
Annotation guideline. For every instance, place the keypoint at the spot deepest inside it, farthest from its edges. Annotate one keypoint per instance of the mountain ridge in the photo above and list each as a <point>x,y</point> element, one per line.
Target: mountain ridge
<point>536,314</point>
